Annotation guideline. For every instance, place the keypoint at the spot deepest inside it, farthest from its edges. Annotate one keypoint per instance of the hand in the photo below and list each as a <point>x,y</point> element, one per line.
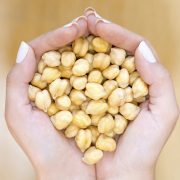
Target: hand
<point>52,155</point>
<point>139,147</point>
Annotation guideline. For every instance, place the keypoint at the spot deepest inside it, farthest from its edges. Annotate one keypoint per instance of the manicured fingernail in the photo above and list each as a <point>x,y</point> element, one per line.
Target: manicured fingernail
<point>146,52</point>
<point>22,52</point>
<point>89,9</point>
<point>74,21</point>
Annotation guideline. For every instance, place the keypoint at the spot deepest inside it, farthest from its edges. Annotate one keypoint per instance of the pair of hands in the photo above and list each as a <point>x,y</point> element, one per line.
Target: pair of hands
<point>52,155</point>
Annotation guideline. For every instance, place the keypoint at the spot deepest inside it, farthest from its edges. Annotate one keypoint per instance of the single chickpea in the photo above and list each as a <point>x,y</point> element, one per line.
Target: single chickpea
<point>105,143</point>
<point>109,86</point>
<point>101,61</point>
<point>129,64</point>
<point>77,97</point>
<point>63,102</point>
<point>110,134</point>
<point>36,81</point>
<point>68,59</point>
<point>81,67</point>
<point>95,76</point>
<point>89,57</point>
<point>78,83</point>
<point>123,78</point>
<point>69,87</point>
<point>32,91</point>
<point>71,131</point>
<point>74,107</point>
<point>61,120</point>
<point>120,124</point>
<point>111,72</point>
<point>66,72</point>
<point>52,109</point>
<point>96,118</point>
<point>117,56</point>
<point>140,99</point>
<point>41,66</point>
<point>94,132</point>
<point>113,110</point>
<point>84,105</point>
<point>43,100</point>
<point>132,77</point>
<point>129,111</point>
<point>129,94</point>
<point>90,38</point>
<point>52,58</point>
<point>92,156</point>
<point>83,139</point>
<point>66,48</point>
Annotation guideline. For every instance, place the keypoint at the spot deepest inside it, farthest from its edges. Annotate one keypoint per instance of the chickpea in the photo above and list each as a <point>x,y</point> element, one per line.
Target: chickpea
<point>105,143</point>
<point>117,56</point>
<point>123,78</point>
<point>109,86</point>
<point>77,97</point>
<point>61,119</point>
<point>52,109</point>
<point>120,124</point>
<point>117,97</point>
<point>139,88</point>
<point>68,59</point>
<point>78,83</point>
<point>66,72</point>
<point>63,102</point>
<point>106,124</point>
<point>92,156</point>
<point>32,91</point>
<point>80,47</point>
<point>95,91</point>
<point>129,64</point>
<point>84,105</point>
<point>101,61</point>
<point>111,72</point>
<point>90,38</point>
<point>66,48</point>
<point>95,133</point>
<point>113,110</point>
<point>51,58</point>
<point>58,87</point>
<point>96,107</point>
<point>95,76</point>
<point>81,67</point>
<point>36,81</point>
<point>41,66</point>
<point>68,88</point>
<point>50,74</point>
<point>89,57</point>
<point>83,139</point>
<point>140,99</point>
<point>110,134</point>
<point>129,111</point>
<point>81,119</point>
<point>96,118</point>
<point>71,131</point>
<point>132,77</point>
<point>128,94</point>
<point>100,45</point>
<point>74,107</point>
<point>43,100</point>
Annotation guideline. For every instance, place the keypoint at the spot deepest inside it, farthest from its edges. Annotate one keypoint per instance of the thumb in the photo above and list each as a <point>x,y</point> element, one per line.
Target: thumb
<point>161,91</point>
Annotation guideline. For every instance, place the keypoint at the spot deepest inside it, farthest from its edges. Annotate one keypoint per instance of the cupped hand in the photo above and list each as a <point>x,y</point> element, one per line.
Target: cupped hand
<point>139,147</point>
<point>53,156</point>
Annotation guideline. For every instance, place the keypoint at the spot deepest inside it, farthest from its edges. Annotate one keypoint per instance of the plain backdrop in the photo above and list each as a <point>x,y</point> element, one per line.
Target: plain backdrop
<point>157,20</point>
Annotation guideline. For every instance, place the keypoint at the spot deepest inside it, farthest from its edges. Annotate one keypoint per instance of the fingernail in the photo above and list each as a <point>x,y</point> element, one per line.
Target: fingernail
<point>146,52</point>
<point>74,21</point>
<point>22,52</point>
<point>89,9</point>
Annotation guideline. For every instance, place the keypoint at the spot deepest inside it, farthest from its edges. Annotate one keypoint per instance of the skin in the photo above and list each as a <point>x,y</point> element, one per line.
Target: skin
<point>139,147</point>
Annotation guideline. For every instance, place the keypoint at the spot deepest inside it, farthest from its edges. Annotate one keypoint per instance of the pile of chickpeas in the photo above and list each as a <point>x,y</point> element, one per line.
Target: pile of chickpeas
<point>90,90</point>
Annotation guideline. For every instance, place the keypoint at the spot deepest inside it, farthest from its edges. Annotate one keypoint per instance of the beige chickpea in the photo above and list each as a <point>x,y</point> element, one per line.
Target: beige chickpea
<point>58,87</point>
<point>90,38</point>
<point>71,131</point>
<point>139,88</point>
<point>120,124</point>
<point>61,120</point>
<point>105,143</point>
<point>129,111</point>
<point>111,72</point>
<point>68,59</point>
<point>101,61</point>
<point>66,48</point>
<point>129,64</point>
<point>77,97</point>
<point>95,76</point>
<point>96,107</point>
<point>128,94</point>
<point>140,99</point>
<point>132,77</point>
<point>69,87</point>
<point>110,134</point>
<point>84,105</point>
<point>94,132</point>
<point>117,97</point>
<point>43,100</point>
<point>123,78</point>
<point>96,118</point>
<point>50,74</point>
<point>106,124</point>
<point>81,67</point>
<point>52,109</point>
<point>52,58</point>
<point>63,102</point>
<point>32,91</point>
<point>66,72</point>
<point>117,56</point>
<point>100,45</point>
<point>109,86</point>
<point>92,156</point>
<point>113,110</point>
<point>78,83</point>
<point>74,107</point>
<point>41,66</point>
<point>80,47</point>
<point>81,119</point>
<point>83,139</point>
<point>36,81</point>
<point>95,91</point>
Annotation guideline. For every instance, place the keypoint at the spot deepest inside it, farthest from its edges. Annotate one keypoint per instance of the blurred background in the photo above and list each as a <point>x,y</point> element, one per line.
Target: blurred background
<point>157,20</point>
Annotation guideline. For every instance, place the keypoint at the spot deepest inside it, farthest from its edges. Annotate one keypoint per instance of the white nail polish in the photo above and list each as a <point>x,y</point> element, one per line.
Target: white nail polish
<point>102,19</point>
<point>146,52</point>
<point>22,52</point>
<point>89,9</point>
<point>68,25</point>
<point>74,21</point>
